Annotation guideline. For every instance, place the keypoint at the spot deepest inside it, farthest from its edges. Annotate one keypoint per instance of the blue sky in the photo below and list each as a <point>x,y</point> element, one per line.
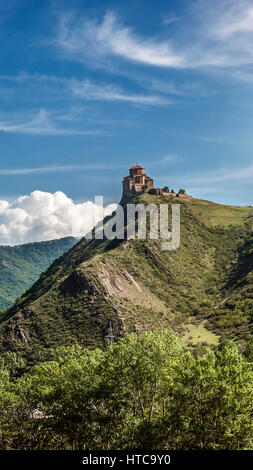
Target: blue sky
<point>88,88</point>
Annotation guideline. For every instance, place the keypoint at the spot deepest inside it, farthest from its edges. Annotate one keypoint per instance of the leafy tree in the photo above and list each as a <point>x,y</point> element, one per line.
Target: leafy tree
<point>210,403</point>
<point>64,393</point>
<point>138,370</point>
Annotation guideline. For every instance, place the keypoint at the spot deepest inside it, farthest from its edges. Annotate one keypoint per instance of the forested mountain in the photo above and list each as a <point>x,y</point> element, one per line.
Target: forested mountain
<point>20,266</point>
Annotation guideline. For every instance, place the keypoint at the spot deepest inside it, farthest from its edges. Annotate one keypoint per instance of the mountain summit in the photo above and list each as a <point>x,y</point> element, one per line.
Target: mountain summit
<point>101,289</point>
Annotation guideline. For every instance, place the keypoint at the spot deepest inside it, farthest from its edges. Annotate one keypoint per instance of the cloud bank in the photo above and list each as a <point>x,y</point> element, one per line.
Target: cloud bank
<point>42,216</point>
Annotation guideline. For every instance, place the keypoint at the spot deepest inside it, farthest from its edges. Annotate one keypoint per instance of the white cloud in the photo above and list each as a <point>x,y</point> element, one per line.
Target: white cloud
<point>236,19</point>
<point>46,216</point>
<point>168,159</point>
<point>110,37</point>
<point>245,76</point>
<point>55,169</point>
<point>186,88</point>
<point>169,18</point>
<point>42,123</point>
<point>220,176</point>
<point>228,175</point>
<point>93,91</point>
<point>217,36</point>
<point>88,90</point>
<point>210,139</point>
<point>225,33</point>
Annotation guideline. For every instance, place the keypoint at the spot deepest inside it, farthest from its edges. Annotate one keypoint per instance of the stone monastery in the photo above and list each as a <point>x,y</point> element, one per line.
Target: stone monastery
<point>138,182</point>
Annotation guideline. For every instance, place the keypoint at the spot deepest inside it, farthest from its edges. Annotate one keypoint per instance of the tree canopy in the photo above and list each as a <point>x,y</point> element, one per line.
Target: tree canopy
<point>145,391</point>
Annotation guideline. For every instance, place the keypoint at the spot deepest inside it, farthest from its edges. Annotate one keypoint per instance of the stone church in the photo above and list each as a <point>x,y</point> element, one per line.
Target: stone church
<point>136,182</point>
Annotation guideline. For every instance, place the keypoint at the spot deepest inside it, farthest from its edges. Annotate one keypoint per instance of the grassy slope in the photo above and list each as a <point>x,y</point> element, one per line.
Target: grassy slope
<point>20,266</point>
<point>133,285</point>
<point>217,214</point>
<point>233,313</point>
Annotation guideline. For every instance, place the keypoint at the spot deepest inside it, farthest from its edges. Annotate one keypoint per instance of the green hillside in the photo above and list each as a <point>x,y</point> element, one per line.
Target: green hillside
<point>102,289</point>
<point>214,214</point>
<point>20,266</point>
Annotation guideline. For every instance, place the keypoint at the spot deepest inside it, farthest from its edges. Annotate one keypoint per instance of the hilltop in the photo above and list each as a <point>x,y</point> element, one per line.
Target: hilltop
<point>101,289</point>
<point>21,266</point>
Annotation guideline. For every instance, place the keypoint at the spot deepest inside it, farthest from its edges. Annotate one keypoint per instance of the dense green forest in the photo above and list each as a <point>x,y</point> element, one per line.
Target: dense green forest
<point>20,266</point>
<point>142,392</point>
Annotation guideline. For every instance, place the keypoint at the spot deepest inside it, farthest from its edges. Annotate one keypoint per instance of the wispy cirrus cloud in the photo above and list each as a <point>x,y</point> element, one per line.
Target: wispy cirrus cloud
<point>213,139</point>
<point>169,18</point>
<point>236,19</point>
<point>84,37</point>
<point>91,91</point>
<point>227,183</point>
<point>168,158</point>
<point>225,32</point>
<point>219,176</point>
<point>185,89</point>
<point>163,162</point>
<point>218,36</point>
<point>88,90</point>
<point>56,169</point>
<point>43,123</point>
<point>245,76</point>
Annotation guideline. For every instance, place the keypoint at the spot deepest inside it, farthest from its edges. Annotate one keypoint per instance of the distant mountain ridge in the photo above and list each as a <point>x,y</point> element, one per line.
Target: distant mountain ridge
<point>20,266</point>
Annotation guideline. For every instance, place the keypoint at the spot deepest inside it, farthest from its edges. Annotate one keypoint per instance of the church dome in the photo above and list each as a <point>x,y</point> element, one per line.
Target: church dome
<point>136,166</point>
